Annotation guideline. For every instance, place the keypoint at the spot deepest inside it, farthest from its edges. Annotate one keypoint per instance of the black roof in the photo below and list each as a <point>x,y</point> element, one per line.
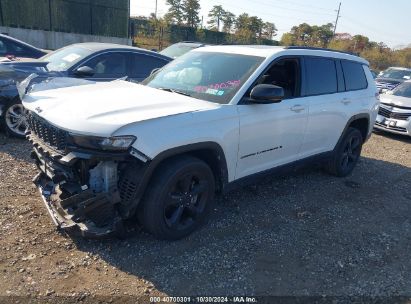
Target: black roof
<point>98,47</point>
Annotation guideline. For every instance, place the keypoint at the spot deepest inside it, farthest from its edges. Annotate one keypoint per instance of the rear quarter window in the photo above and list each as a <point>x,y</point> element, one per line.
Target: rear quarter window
<point>354,76</point>
<point>321,76</point>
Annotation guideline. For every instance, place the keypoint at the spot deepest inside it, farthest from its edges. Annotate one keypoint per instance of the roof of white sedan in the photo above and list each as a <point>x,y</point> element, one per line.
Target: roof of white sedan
<point>270,51</point>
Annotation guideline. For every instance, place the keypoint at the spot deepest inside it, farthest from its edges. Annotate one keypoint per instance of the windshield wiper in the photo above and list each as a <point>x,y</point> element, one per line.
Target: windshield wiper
<point>174,91</point>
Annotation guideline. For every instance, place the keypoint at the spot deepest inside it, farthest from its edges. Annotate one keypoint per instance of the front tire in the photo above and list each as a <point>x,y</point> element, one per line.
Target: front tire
<point>178,199</point>
<point>15,120</point>
<point>347,154</point>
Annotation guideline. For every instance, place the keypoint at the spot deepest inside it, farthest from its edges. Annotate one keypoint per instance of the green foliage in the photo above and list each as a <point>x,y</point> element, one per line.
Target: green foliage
<point>215,17</point>
<point>191,12</point>
<point>269,30</point>
<point>250,29</point>
<point>305,34</point>
<point>186,11</point>
<point>228,21</point>
<point>175,13</point>
<point>157,35</point>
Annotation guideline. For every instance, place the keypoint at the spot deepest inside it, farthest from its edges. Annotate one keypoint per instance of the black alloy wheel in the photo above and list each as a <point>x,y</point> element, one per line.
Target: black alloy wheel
<point>178,199</point>
<point>347,153</point>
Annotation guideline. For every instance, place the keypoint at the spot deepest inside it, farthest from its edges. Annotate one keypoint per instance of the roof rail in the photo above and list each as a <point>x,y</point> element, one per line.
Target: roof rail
<point>319,49</point>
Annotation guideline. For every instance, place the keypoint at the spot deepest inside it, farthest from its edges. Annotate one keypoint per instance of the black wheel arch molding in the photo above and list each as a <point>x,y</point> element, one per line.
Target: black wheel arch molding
<point>210,152</point>
<point>364,129</point>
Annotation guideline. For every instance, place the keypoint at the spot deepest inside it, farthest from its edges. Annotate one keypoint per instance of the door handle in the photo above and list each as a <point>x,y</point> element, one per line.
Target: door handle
<point>346,101</point>
<point>297,108</point>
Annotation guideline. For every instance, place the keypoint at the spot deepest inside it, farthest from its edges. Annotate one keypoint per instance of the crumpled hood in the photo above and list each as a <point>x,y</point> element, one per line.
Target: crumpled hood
<point>395,100</point>
<point>102,108</point>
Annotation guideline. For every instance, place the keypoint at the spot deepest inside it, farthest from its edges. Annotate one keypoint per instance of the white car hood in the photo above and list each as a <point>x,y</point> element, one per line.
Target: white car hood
<point>102,108</point>
<point>396,100</point>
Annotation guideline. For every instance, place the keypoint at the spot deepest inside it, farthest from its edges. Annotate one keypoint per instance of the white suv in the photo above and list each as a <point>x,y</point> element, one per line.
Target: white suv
<point>210,120</point>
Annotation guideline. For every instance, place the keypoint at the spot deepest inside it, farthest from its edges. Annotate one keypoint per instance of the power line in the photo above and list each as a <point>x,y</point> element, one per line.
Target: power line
<point>292,9</point>
<point>219,2</point>
<point>373,29</point>
<point>310,6</point>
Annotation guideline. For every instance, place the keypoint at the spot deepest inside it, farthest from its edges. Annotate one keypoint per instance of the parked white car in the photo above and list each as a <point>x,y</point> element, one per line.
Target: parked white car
<point>213,119</point>
<point>394,115</point>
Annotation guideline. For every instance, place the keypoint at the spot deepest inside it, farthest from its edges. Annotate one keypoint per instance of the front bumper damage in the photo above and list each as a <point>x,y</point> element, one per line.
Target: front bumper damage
<point>71,214</point>
<point>81,191</point>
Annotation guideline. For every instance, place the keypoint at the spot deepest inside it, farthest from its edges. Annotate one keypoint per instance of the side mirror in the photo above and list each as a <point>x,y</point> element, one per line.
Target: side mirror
<point>267,93</point>
<point>154,50</point>
<point>84,71</point>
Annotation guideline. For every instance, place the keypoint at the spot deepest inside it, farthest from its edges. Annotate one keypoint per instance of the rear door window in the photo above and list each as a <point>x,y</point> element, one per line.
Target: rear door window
<point>321,76</point>
<point>143,65</point>
<point>354,75</point>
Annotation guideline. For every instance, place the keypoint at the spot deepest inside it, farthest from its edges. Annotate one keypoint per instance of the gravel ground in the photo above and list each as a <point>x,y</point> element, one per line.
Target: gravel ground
<point>302,234</point>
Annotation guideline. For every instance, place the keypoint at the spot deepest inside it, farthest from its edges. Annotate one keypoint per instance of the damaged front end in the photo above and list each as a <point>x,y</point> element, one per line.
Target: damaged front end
<point>86,191</point>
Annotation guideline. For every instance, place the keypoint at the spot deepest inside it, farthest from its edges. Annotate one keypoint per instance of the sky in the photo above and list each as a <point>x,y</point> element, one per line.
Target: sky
<point>381,21</point>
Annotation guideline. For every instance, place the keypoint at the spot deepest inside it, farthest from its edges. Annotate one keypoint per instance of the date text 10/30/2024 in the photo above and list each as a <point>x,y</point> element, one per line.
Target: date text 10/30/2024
<point>203,300</point>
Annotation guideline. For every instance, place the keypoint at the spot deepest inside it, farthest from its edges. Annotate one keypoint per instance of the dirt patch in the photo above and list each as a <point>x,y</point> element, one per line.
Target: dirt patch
<point>306,233</point>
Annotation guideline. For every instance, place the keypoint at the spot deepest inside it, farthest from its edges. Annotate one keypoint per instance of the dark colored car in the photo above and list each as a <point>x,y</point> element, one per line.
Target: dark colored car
<point>179,49</point>
<point>91,61</point>
<point>392,77</point>
<point>13,48</point>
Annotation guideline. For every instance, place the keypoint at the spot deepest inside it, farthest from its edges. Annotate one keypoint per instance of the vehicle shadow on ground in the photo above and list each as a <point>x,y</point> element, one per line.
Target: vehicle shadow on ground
<point>398,137</point>
<point>305,233</point>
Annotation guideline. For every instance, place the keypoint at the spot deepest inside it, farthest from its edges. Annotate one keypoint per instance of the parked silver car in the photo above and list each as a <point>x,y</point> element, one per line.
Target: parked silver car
<point>394,114</point>
<point>392,77</point>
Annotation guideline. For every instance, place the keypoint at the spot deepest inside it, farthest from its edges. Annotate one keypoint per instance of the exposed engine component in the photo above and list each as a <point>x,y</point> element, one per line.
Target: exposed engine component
<point>104,177</point>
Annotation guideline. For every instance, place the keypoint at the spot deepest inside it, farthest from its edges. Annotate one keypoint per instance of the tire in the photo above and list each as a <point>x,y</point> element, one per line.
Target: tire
<point>14,120</point>
<point>178,199</point>
<point>347,154</point>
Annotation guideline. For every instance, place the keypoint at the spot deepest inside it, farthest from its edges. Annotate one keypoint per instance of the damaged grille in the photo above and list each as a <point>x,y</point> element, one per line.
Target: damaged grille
<point>49,134</point>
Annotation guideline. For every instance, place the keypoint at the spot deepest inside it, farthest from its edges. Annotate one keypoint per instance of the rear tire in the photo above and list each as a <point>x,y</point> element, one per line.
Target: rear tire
<point>178,199</point>
<point>347,154</point>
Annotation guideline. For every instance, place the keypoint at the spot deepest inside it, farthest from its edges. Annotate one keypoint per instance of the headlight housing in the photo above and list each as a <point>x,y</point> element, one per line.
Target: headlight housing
<point>115,143</point>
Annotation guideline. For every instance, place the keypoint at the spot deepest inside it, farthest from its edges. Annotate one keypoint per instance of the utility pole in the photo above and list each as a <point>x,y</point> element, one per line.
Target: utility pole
<point>336,21</point>
<point>156,9</point>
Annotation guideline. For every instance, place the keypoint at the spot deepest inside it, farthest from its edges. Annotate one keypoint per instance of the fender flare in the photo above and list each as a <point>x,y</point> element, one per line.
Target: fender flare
<point>350,121</point>
<point>148,169</point>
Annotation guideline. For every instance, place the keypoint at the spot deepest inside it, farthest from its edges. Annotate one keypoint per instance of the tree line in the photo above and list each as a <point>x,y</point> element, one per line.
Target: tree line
<point>247,29</point>
<point>187,12</point>
<point>378,54</point>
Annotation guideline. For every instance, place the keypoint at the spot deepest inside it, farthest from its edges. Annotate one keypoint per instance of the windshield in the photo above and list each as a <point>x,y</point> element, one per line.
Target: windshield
<point>396,74</point>
<point>403,90</point>
<point>63,59</point>
<point>214,77</point>
<point>177,50</point>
